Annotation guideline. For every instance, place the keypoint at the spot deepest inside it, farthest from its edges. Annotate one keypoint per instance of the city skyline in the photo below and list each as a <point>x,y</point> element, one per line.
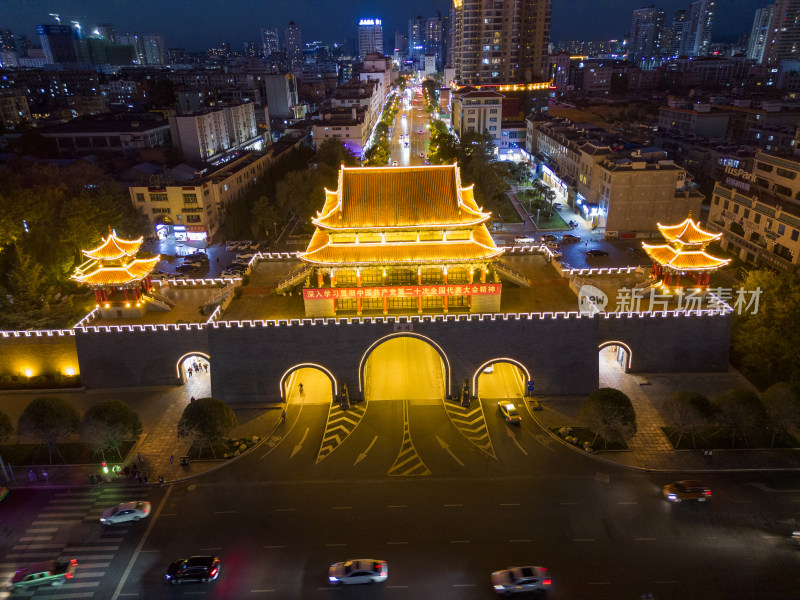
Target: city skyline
<point>213,21</point>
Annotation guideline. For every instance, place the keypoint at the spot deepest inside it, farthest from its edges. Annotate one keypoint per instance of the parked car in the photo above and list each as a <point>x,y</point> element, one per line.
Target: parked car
<point>515,580</point>
<point>688,489</point>
<point>196,568</point>
<point>195,256</point>
<point>509,412</point>
<point>243,246</point>
<point>549,237</point>
<point>125,511</point>
<point>232,246</point>
<point>524,239</point>
<point>556,205</point>
<point>188,267</point>
<point>568,238</point>
<point>358,570</point>
<point>635,251</point>
<point>552,245</point>
<point>245,255</point>
<point>51,572</point>
<point>596,252</point>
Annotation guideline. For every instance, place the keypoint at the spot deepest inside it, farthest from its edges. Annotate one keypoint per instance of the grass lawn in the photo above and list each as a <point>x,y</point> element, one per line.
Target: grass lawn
<point>554,222</point>
<point>715,438</point>
<point>22,455</point>
<point>501,206</point>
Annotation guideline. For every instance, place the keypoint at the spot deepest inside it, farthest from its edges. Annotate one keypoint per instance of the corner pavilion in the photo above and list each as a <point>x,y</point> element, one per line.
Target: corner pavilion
<point>400,240</point>
<point>113,270</point>
<point>684,254</point>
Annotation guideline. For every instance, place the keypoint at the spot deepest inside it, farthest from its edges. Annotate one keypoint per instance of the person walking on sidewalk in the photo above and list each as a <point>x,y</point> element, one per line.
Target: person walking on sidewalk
<point>161,480</point>
<point>283,415</point>
<point>91,480</point>
<point>139,457</point>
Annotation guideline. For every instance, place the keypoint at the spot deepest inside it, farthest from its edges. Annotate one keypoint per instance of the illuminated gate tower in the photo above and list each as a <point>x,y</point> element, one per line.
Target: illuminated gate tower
<point>119,279</point>
<point>684,254</point>
<point>402,240</point>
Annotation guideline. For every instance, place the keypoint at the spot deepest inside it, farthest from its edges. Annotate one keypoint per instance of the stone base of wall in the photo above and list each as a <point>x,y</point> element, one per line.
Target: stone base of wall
<point>319,308</point>
<point>485,304</point>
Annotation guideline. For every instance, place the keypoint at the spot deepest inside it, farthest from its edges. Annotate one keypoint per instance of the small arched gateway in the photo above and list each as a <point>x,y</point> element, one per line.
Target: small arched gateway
<point>506,377</point>
<point>193,364</point>
<point>307,380</point>
<point>617,352</point>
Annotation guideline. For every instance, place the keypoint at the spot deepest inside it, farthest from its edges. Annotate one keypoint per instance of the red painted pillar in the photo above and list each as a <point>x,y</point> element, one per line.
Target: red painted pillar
<point>444,303</point>
<point>126,293</point>
<point>358,305</point>
<point>385,305</point>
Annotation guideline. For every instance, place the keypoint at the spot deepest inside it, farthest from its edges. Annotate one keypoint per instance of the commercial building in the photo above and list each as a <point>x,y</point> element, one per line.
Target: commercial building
<point>189,203</point>
<point>699,118</point>
<point>58,43</point>
<point>370,37</point>
<point>759,33</point>
<point>270,42</point>
<point>210,135</point>
<point>758,211</point>
<point>501,43</point>
<point>699,23</point>
<point>281,94</point>
<point>14,110</point>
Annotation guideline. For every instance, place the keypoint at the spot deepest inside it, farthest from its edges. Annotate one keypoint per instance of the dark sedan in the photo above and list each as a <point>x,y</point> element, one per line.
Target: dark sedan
<point>596,252</point>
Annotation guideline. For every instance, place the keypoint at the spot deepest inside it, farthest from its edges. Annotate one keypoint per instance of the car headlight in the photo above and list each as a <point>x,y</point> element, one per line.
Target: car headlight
<point>169,576</point>
<point>672,497</point>
<point>499,588</point>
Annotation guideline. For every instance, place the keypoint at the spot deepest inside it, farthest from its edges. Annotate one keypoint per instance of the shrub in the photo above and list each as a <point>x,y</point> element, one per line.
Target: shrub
<point>610,415</point>
<point>739,410</point>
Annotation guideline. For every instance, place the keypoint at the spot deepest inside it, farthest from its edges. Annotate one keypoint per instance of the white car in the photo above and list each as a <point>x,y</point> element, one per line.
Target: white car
<point>516,580</point>
<point>358,570</point>
<point>125,511</point>
<point>524,239</point>
<point>245,256</point>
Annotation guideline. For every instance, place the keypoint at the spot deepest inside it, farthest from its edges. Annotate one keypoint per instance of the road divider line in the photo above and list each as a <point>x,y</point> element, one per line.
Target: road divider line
<point>341,508</point>
<point>224,512</point>
<point>463,585</point>
<point>272,547</point>
<point>510,504</point>
<point>285,509</point>
<point>396,587</point>
<point>568,503</point>
<point>460,541</point>
<point>582,539</point>
<point>598,583</point>
<point>644,539</point>
<point>452,505</point>
<point>627,503</point>
<point>397,506</point>
<point>395,543</point>
<point>520,541</point>
<point>671,581</point>
<point>261,591</point>
<point>335,545</point>
<point>141,544</point>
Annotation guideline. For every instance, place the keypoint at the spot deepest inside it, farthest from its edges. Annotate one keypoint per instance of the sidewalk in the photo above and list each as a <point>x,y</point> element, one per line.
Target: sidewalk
<point>649,449</point>
<point>159,410</point>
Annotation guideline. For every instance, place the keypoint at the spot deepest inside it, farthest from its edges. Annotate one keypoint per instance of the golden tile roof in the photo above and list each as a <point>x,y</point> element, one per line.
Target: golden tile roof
<point>114,248</point>
<point>322,252</point>
<point>399,197</point>
<point>687,232</point>
<point>696,260</point>
<point>97,274</point>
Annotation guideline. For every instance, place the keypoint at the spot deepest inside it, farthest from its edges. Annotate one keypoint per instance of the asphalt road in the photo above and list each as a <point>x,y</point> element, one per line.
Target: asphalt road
<point>278,516</point>
<point>410,121</point>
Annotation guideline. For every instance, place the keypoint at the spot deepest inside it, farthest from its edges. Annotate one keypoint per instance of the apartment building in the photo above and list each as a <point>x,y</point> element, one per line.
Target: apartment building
<point>477,110</point>
<point>210,135</point>
<point>348,124</point>
<point>109,133</point>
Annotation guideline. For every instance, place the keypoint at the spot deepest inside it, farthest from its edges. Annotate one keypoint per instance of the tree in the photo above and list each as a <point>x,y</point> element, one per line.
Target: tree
<point>688,412</point>
<point>106,425</point>
<point>6,428</point>
<point>333,153</point>
<point>207,421</point>
<point>376,156</point>
<point>48,419</point>
<point>301,192</point>
<point>609,414</point>
<point>782,407</point>
<point>764,344</point>
<point>738,410</point>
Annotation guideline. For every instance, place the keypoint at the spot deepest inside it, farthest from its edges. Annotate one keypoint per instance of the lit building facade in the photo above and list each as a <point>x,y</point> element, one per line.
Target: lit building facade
<point>499,42</point>
<point>370,37</point>
<point>293,43</point>
<point>400,240</point>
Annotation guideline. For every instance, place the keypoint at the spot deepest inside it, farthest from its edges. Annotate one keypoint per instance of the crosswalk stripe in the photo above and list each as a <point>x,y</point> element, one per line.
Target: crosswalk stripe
<point>54,522</point>
<point>35,538</point>
<point>30,555</point>
<point>89,548</point>
<point>36,546</point>
<point>90,557</point>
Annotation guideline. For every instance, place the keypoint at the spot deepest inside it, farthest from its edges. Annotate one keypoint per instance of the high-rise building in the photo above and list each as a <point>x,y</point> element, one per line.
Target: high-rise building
<point>435,38</point>
<point>107,32</point>
<point>676,33</point>
<point>416,39</point>
<point>400,45</point>
<point>7,41</point>
<point>783,41</point>
<point>647,32</point>
<point>270,42</point>
<point>58,43</point>
<point>699,21</point>
<point>370,37</point>
<point>494,42</point>
<point>293,43</point>
<point>154,49</point>
<point>759,33</point>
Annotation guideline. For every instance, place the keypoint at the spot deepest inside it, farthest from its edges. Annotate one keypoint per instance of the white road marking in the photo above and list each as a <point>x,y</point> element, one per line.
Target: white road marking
<point>261,591</point>
<point>627,503</point>
<point>446,447</point>
<point>297,447</point>
<point>335,545</point>
<point>35,538</point>
<point>510,504</point>
<point>169,515</point>
<point>341,507</point>
<point>395,543</point>
<point>463,585</point>
<point>224,512</point>
<point>396,506</point>
<point>460,542</point>
<point>568,503</point>
<point>363,455</point>
<point>272,547</point>
<point>209,549</point>
<point>598,583</point>
<point>520,541</point>
<point>89,548</point>
<point>284,509</point>
<point>452,505</point>
<point>396,587</point>
<point>582,539</point>
<point>644,539</point>
<point>516,441</point>
<point>671,581</point>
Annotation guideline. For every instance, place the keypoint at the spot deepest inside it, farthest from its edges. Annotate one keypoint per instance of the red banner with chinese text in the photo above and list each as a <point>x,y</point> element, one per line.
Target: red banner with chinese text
<point>403,291</point>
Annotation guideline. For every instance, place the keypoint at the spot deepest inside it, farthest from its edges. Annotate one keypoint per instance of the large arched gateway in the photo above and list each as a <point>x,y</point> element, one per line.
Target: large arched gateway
<point>404,366</point>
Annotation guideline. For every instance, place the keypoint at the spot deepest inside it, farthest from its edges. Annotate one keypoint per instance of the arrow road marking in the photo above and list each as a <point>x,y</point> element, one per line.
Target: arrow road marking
<point>300,445</point>
<point>445,446</point>
<point>363,455</point>
<point>515,440</point>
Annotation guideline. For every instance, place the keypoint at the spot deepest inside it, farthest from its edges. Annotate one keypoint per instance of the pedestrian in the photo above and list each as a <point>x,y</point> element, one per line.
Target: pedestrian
<point>171,459</point>
<point>44,475</point>
<point>205,366</point>
<point>91,480</point>
<point>161,480</point>
<point>139,457</point>
<point>191,399</point>
<point>99,478</point>
<point>144,476</point>
<point>218,259</point>
<point>190,372</point>
<point>139,478</point>
<point>31,475</point>
<point>283,415</point>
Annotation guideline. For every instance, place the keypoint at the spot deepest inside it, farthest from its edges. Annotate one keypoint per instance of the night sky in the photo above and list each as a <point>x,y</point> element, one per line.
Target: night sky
<point>200,24</point>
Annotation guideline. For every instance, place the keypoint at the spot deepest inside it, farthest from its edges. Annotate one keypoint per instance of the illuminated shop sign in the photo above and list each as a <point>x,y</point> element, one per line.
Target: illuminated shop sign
<point>406,291</point>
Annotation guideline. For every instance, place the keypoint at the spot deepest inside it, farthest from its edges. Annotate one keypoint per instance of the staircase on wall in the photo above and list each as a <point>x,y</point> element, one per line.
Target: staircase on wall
<point>294,278</point>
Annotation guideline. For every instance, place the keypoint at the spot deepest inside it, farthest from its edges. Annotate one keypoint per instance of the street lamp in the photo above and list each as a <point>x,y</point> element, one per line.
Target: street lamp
<point>537,216</point>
